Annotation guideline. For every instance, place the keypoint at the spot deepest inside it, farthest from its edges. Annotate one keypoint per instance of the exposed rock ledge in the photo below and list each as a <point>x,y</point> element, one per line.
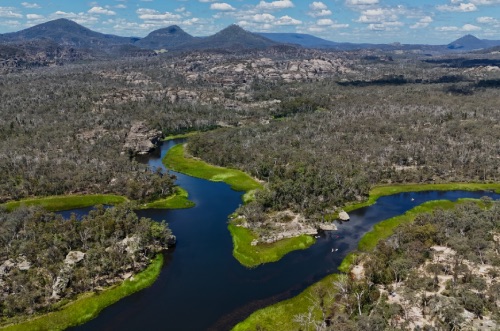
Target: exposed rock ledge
<point>284,225</point>
<point>141,139</point>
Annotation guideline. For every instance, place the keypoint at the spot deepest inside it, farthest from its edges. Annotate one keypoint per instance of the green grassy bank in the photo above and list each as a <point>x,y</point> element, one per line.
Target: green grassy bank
<point>179,200</point>
<point>67,202</point>
<point>238,180</point>
<point>88,306</point>
<point>280,316</point>
<point>252,256</point>
<point>384,190</point>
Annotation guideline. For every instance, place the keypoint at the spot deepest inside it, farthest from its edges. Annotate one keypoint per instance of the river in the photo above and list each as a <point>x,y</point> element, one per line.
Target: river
<point>202,287</point>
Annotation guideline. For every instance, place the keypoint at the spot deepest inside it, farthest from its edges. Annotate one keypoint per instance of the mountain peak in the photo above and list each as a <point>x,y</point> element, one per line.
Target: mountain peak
<point>467,42</point>
<point>67,33</point>
<point>165,38</point>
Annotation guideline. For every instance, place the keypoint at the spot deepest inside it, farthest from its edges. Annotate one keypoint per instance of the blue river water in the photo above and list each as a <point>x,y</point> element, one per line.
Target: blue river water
<point>202,286</point>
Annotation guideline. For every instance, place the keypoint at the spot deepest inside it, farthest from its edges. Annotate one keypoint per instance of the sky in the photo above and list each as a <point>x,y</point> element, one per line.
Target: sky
<point>373,21</point>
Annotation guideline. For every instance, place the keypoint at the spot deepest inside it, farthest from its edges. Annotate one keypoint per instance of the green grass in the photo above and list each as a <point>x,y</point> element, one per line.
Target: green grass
<point>252,256</point>
<point>384,190</point>
<point>238,180</point>
<point>67,202</point>
<point>280,315</point>
<point>179,200</point>
<point>89,305</point>
<point>180,135</point>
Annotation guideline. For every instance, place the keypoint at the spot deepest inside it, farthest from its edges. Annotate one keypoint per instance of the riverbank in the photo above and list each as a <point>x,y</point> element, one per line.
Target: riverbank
<point>252,256</point>
<point>384,190</point>
<point>87,306</point>
<point>280,316</point>
<point>67,202</point>
<point>179,200</point>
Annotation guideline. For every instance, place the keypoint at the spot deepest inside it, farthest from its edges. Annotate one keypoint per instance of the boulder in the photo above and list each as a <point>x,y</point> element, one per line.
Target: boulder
<point>141,139</point>
<point>74,257</point>
<point>327,226</point>
<point>343,216</point>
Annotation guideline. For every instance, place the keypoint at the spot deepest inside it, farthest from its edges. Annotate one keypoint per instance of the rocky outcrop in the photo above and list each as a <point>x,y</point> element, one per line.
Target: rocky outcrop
<point>343,216</point>
<point>62,280</point>
<point>141,139</point>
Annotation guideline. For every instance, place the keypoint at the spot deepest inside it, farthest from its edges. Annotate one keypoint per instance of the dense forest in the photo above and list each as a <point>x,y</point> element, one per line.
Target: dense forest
<point>439,273</point>
<point>331,143</point>
<point>46,259</point>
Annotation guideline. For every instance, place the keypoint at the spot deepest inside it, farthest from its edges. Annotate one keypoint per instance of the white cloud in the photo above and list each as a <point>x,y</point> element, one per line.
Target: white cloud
<point>470,27</point>
<point>10,12</point>
<point>317,5</point>
<point>353,3</point>
<point>462,7</point>
<point>154,15</point>
<point>318,9</point>
<point>275,5</point>
<point>324,21</point>
<point>287,20</point>
<point>101,11</point>
<point>80,18</point>
<point>378,15</point>
<point>422,23</point>
<point>487,20</point>
<point>464,28</point>
<point>263,18</point>
<point>32,17</point>
<point>222,6</point>
<point>121,6</point>
<point>30,5</point>
<point>385,26</point>
<point>480,2</point>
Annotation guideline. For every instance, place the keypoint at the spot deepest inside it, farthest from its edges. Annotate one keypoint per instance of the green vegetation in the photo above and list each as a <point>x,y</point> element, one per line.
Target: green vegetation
<point>380,191</point>
<point>178,200</point>
<point>180,135</point>
<point>89,305</point>
<point>66,202</point>
<point>69,257</point>
<point>385,229</point>
<point>280,316</point>
<point>238,180</point>
<point>252,256</point>
<point>243,251</point>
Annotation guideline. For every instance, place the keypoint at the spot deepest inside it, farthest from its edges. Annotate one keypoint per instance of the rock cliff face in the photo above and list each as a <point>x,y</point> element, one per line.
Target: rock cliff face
<point>141,139</point>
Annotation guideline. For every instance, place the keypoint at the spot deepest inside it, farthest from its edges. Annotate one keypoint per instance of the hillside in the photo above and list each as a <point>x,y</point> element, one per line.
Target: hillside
<point>66,33</point>
<point>166,38</point>
<point>304,40</point>
<point>232,38</point>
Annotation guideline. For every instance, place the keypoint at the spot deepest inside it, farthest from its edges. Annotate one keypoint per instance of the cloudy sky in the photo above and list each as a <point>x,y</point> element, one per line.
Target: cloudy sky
<point>406,21</point>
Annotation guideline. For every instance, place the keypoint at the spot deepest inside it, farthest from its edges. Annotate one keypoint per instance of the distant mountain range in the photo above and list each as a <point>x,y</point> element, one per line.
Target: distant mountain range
<point>62,37</point>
